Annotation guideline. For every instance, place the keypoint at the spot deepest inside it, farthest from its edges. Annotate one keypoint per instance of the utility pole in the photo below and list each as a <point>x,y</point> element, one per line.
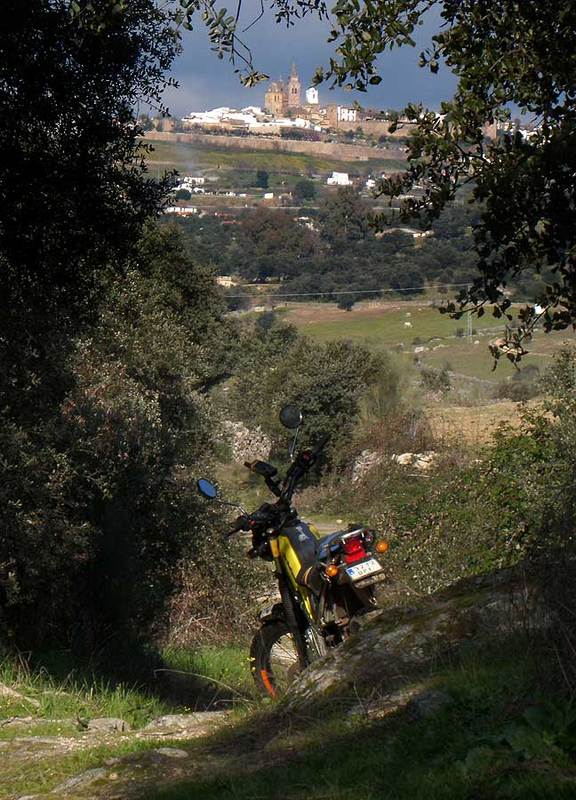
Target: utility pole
<point>469,322</point>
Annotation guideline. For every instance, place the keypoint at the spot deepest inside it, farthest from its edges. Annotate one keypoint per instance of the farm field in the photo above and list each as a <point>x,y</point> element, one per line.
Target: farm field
<point>473,424</point>
<point>186,157</point>
<point>406,325</point>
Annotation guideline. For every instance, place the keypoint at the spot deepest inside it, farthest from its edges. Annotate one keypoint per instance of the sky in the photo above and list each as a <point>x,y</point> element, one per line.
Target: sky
<point>207,82</point>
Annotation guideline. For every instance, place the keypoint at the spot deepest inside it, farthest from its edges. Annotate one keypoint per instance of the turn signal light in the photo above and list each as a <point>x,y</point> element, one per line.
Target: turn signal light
<point>331,570</point>
<point>381,546</point>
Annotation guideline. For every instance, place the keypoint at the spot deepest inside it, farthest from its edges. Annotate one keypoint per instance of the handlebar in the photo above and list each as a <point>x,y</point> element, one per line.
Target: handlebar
<point>303,462</point>
<point>283,491</point>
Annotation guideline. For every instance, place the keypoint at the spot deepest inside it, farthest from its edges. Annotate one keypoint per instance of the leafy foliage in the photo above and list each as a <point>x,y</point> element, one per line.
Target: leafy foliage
<point>513,502</point>
<point>76,193</point>
<point>93,398</point>
<point>342,253</point>
<point>328,382</point>
<point>303,190</point>
<point>99,498</point>
<point>262,178</point>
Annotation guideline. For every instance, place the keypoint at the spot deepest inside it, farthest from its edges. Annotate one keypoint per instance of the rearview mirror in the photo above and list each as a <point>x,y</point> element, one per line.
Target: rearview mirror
<point>291,417</point>
<point>207,489</point>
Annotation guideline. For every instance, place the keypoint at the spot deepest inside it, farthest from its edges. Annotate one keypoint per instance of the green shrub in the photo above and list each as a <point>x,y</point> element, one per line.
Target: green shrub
<point>327,381</point>
<point>97,500</point>
<point>523,385</point>
<point>512,501</point>
<point>435,380</point>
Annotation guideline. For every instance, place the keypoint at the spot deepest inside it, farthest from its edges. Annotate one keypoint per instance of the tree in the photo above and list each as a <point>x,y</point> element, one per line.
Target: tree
<point>271,243</point>
<point>343,216</point>
<point>97,503</point>
<point>328,381</point>
<point>76,193</point>
<point>262,179</point>
<point>74,198</point>
<point>303,190</point>
<point>503,53</point>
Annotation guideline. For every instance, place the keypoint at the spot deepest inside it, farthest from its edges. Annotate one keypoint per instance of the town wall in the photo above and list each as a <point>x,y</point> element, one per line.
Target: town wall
<point>377,127</point>
<point>340,152</point>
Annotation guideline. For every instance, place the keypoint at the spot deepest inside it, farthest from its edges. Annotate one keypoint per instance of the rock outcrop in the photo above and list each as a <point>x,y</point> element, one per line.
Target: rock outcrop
<point>247,444</point>
<point>368,459</point>
<point>407,641</point>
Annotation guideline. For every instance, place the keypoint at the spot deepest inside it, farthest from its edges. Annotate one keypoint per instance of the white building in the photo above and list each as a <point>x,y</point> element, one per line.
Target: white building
<point>345,114</point>
<point>312,96</point>
<point>192,180</point>
<point>339,179</point>
<point>181,211</point>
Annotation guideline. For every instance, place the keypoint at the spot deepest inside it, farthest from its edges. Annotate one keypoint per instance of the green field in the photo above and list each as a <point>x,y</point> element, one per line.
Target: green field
<point>186,157</point>
<point>385,328</point>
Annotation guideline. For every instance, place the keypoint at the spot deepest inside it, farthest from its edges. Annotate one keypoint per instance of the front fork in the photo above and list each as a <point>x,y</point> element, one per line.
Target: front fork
<point>297,622</point>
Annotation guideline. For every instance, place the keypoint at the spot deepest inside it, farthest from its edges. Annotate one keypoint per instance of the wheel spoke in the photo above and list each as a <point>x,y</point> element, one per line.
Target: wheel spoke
<point>284,662</point>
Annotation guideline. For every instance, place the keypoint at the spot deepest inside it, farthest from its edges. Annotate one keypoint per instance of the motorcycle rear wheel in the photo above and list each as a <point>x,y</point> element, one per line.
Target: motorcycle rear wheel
<point>274,659</point>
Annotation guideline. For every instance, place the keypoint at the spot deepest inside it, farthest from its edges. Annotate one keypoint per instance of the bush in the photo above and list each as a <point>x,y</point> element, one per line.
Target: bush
<point>328,382</point>
<point>513,502</point>
<point>434,380</point>
<point>523,385</point>
<point>97,503</point>
<point>346,304</point>
<point>303,190</point>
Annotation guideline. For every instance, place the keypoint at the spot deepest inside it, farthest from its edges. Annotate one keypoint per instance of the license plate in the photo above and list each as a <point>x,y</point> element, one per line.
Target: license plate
<point>362,570</point>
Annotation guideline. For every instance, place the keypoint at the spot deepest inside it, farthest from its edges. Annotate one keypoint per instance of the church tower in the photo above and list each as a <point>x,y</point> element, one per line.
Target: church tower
<point>293,89</point>
<point>275,98</point>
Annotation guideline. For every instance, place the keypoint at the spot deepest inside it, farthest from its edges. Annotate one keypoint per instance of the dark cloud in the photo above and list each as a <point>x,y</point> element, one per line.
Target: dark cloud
<point>207,82</point>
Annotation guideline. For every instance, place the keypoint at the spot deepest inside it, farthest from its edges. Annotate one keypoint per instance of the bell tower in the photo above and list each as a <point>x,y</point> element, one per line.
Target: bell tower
<point>275,98</point>
<point>294,89</point>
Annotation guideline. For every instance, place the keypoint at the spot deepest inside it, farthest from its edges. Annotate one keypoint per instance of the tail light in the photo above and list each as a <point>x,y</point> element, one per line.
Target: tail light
<point>353,549</point>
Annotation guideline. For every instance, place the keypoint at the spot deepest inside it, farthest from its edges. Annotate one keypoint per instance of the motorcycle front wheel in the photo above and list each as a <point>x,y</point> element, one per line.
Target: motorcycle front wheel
<point>274,659</point>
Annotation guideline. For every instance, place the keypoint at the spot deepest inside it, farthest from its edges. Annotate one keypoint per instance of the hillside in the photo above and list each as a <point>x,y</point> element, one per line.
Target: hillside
<point>417,328</point>
<point>233,162</point>
<point>341,153</point>
<point>431,702</point>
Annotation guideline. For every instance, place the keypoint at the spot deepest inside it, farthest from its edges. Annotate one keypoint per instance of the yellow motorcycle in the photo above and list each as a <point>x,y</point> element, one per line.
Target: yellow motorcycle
<point>326,583</point>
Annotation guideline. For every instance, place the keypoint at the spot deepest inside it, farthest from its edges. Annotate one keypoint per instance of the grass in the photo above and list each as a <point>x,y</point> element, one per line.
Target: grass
<point>38,775</point>
<point>59,708</point>
<point>344,757</point>
<point>227,666</point>
<point>239,485</point>
<point>382,327</point>
<point>75,697</point>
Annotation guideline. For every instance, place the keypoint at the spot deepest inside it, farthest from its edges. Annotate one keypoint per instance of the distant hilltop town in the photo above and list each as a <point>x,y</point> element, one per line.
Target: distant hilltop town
<point>286,108</point>
<point>287,112</point>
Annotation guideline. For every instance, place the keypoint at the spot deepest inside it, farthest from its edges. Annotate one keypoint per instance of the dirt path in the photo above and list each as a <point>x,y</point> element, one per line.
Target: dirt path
<point>101,760</point>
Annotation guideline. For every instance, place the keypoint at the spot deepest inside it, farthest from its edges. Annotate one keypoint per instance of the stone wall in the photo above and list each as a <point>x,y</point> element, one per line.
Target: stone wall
<point>378,128</point>
<point>340,152</point>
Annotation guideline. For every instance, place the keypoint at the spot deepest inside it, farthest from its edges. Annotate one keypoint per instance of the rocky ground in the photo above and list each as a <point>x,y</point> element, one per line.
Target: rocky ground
<point>387,668</point>
<point>161,748</point>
